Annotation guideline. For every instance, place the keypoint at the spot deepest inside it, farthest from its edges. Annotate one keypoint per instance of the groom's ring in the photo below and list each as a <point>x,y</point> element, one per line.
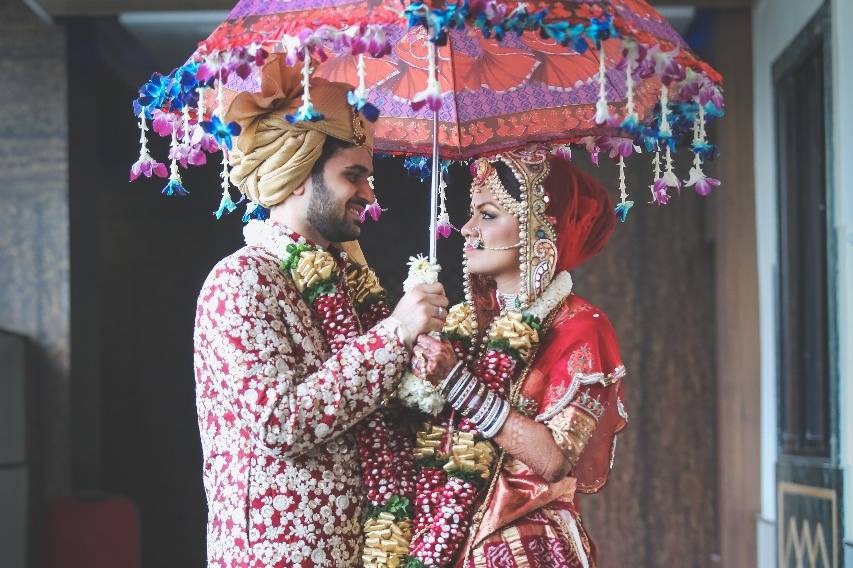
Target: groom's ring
<point>440,311</point>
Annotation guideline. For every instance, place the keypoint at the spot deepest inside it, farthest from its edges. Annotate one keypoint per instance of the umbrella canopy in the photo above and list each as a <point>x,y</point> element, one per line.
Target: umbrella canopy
<point>456,81</point>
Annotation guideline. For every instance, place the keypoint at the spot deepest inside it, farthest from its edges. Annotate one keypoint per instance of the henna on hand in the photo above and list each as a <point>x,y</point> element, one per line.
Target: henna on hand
<point>433,359</point>
<point>533,444</point>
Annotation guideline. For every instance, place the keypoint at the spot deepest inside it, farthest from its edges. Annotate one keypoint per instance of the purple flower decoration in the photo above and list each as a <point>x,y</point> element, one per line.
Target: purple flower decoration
<point>700,183</point>
<point>622,210</point>
<point>592,147</point>
<point>222,132</point>
<point>429,97</point>
<point>165,122</point>
<point>188,155</point>
<point>660,194</point>
<point>147,166</point>
<point>444,228</point>
<point>616,147</point>
<point>563,152</point>
<point>175,188</point>
<point>203,140</point>
<point>373,211</point>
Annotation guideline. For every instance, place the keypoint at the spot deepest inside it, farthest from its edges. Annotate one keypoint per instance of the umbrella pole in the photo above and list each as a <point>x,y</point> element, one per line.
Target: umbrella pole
<point>433,195</point>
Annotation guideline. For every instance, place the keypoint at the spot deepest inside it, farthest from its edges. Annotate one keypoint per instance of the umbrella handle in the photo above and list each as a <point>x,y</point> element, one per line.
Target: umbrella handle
<point>433,194</point>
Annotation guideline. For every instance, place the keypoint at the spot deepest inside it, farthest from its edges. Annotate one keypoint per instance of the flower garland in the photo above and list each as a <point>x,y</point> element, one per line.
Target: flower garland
<point>455,463</point>
<point>348,300</point>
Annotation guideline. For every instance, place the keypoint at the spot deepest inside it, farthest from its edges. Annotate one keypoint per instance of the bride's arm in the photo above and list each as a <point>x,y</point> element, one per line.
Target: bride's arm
<point>534,445</point>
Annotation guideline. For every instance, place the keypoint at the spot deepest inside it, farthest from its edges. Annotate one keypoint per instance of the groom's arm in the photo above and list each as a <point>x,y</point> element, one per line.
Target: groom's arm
<point>246,322</point>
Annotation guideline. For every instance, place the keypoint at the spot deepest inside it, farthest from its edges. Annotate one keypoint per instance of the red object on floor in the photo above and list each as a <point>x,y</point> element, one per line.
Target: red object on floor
<point>98,531</point>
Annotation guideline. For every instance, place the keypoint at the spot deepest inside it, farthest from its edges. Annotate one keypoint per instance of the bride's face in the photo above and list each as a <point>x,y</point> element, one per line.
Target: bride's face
<point>493,227</point>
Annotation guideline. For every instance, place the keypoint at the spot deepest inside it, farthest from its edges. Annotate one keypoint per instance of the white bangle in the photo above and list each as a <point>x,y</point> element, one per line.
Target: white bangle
<point>499,421</point>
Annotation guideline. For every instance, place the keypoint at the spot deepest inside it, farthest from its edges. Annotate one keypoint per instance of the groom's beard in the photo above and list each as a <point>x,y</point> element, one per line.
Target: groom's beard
<point>326,216</point>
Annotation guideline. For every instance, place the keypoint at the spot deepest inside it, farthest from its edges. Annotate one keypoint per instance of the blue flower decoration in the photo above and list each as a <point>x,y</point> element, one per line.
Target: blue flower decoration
<point>711,111</point>
<point>622,210</point>
<point>601,29</point>
<point>255,211</point>
<point>419,166</point>
<point>704,150</point>
<point>304,113</point>
<point>226,206</point>
<point>631,126</point>
<point>159,90</point>
<point>369,111</point>
<point>175,188</point>
<point>221,131</point>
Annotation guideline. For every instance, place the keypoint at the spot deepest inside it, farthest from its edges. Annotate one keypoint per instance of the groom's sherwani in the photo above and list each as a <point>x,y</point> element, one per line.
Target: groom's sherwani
<point>281,469</point>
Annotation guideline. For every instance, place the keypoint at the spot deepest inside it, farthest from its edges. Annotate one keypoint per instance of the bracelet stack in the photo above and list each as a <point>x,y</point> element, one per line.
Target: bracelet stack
<point>486,409</point>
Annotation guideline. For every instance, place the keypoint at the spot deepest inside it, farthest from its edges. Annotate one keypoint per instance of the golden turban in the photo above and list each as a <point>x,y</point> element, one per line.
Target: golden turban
<point>274,157</point>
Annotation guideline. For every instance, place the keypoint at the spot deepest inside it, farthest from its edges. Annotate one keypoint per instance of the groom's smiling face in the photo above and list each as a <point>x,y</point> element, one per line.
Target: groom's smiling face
<point>339,192</point>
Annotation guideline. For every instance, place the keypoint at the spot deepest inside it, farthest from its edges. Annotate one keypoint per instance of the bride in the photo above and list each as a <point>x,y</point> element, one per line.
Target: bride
<point>535,401</point>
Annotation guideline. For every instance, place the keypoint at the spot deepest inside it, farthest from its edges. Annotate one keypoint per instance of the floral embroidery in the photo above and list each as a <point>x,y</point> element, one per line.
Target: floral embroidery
<point>276,411</point>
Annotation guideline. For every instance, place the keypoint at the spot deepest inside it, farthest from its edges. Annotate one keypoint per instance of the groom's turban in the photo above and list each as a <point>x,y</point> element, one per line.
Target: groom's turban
<point>274,157</point>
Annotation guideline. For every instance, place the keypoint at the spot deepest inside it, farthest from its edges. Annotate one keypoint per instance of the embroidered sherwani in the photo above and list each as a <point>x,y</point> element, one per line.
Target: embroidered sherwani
<point>276,413</point>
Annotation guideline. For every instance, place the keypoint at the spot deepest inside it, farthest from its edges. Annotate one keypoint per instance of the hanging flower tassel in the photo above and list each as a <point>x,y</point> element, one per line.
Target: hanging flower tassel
<point>444,228</point>
<point>358,99</point>
<point>701,184</point>
<point>664,132</point>
<point>632,119</point>
<point>255,211</point>
<point>226,205</point>
<point>431,96</point>
<point>175,187</point>
<point>660,195</point>
<point>624,205</point>
<point>306,111</point>
<point>146,165</point>
<point>602,111</point>
<point>373,210</point>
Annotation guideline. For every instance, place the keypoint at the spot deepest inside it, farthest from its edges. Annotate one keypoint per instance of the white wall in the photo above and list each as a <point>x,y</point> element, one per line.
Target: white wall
<point>775,24</point>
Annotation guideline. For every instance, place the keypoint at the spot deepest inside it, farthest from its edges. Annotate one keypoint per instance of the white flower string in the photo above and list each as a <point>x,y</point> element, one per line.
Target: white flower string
<point>623,187</point>
<point>225,174</point>
<point>630,111</point>
<point>144,154</point>
<point>361,90</point>
<point>306,79</point>
<point>657,172</point>
<point>185,123</point>
<point>665,130</point>
<point>602,113</point>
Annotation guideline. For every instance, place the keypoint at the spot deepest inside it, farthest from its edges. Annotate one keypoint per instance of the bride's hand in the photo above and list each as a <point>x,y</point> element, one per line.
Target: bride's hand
<point>432,359</point>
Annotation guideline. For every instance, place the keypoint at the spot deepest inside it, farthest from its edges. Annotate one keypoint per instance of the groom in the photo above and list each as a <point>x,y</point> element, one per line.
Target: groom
<point>276,403</point>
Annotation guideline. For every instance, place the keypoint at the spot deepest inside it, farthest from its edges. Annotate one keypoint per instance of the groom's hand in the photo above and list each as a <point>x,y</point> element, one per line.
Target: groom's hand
<point>433,359</point>
<point>421,310</point>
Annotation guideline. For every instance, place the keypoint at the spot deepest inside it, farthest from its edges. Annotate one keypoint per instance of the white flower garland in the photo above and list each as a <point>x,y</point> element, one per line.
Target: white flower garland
<point>264,234</point>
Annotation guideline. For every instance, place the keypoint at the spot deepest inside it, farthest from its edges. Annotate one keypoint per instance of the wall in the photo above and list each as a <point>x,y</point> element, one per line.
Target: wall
<point>34,264</point>
<point>775,24</point>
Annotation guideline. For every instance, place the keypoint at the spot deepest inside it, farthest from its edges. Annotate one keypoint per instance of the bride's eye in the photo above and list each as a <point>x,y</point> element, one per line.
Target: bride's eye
<point>487,216</point>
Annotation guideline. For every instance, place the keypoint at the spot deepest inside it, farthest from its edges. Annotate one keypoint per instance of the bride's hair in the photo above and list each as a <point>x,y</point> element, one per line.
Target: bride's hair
<point>508,179</point>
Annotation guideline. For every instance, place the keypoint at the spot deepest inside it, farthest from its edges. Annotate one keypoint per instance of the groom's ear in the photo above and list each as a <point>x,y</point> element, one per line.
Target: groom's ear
<point>300,191</point>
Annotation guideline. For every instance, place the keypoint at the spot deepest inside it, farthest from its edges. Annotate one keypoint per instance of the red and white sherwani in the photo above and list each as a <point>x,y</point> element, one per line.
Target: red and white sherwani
<point>276,412</point>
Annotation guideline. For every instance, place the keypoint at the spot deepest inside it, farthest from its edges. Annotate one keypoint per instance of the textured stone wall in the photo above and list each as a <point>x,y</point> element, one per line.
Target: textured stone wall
<point>34,260</point>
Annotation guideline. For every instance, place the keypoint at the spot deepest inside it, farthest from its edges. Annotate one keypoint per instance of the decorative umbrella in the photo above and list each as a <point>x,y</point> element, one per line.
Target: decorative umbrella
<point>454,82</point>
